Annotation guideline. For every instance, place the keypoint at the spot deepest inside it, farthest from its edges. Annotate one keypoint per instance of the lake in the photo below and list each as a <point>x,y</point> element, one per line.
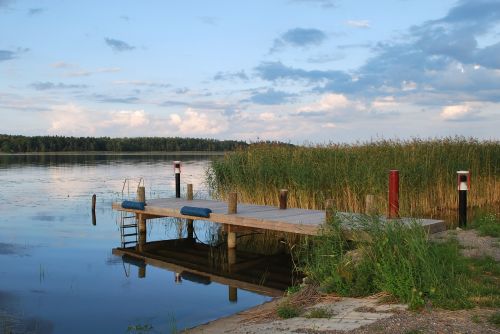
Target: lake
<point>57,270</point>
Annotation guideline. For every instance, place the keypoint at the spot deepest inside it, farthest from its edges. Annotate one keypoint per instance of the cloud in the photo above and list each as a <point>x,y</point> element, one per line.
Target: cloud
<point>322,3</point>
<point>325,58</point>
<point>86,73</point>
<point>363,24</point>
<point>7,55</point>
<point>273,71</point>
<point>35,11</point>
<point>198,122</point>
<point>460,113</point>
<point>142,83</point>
<point>208,20</point>
<point>51,85</point>
<point>230,76</point>
<point>113,99</point>
<point>118,45</point>
<point>70,119</point>
<point>328,103</point>
<point>270,97</point>
<point>299,37</point>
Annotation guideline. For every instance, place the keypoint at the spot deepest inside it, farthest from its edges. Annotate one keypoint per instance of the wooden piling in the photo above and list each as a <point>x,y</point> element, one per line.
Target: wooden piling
<point>283,198</point>
<point>231,238</point>
<point>190,229</point>
<point>141,223</point>
<point>94,219</point>
<point>94,199</point>
<point>142,272</point>
<point>189,192</point>
<point>329,209</point>
<point>370,204</point>
<point>141,194</point>
<point>232,203</point>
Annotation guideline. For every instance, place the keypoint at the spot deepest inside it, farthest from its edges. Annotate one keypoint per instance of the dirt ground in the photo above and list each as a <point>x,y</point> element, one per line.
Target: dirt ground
<point>367,315</point>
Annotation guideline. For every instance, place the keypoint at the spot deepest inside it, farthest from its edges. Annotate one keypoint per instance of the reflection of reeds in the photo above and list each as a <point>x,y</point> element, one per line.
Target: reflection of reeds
<point>347,173</point>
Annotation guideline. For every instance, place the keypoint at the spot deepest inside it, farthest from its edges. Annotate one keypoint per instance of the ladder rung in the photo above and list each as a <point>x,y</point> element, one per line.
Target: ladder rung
<point>129,234</point>
<point>129,225</point>
<point>129,242</point>
<point>128,217</point>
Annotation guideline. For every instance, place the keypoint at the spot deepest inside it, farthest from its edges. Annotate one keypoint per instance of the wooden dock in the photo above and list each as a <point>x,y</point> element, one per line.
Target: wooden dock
<point>292,220</point>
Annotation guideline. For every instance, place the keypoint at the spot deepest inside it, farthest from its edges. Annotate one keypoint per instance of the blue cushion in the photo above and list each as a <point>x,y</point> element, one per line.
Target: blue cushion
<point>133,205</point>
<point>194,211</point>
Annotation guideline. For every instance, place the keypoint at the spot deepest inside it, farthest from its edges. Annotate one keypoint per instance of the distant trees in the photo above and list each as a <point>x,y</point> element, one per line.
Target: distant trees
<point>23,144</point>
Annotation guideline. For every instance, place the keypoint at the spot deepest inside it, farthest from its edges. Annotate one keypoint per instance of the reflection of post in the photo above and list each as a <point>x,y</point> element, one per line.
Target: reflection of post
<point>190,229</point>
<point>142,232</point>
<point>178,278</point>
<point>233,294</point>
<point>231,238</point>
<point>94,220</point>
<point>142,271</point>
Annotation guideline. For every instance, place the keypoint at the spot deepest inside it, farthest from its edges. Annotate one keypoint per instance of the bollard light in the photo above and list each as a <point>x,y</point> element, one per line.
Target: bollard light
<point>463,185</point>
<point>177,171</point>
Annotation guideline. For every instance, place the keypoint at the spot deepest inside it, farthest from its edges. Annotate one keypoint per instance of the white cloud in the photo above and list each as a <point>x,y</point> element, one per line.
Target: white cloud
<point>387,102</point>
<point>457,112</point>
<point>408,86</point>
<point>267,116</point>
<point>329,125</point>
<point>358,23</point>
<point>70,119</point>
<point>328,102</point>
<point>194,123</point>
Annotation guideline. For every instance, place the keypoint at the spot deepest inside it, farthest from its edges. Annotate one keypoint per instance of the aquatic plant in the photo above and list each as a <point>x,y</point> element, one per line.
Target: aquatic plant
<point>346,173</point>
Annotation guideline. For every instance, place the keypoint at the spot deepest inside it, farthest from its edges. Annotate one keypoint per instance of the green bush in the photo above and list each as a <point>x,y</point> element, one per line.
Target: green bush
<point>287,311</point>
<point>487,224</point>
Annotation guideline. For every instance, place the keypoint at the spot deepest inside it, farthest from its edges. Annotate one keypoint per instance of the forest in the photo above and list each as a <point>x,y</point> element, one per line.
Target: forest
<point>26,144</point>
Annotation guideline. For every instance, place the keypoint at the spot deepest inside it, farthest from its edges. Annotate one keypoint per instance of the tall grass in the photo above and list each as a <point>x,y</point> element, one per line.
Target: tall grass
<point>397,259</point>
<point>347,173</point>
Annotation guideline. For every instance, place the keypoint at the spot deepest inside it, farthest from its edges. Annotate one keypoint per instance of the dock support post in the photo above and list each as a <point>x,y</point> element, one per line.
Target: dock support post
<point>232,208</point>
<point>177,170</point>
<point>283,198</point>
<point>141,194</point>
<point>370,204</point>
<point>329,210</point>
<point>141,222</point>
<point>189,222</point>
<point>393,193</point>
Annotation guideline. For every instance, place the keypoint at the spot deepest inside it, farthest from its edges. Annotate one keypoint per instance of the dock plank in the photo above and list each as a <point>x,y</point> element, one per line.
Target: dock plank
<point>293,220</point>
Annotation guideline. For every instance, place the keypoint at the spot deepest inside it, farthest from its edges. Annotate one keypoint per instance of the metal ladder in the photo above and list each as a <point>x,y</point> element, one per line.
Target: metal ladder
<point>128,223</point>
<point>128,229</point>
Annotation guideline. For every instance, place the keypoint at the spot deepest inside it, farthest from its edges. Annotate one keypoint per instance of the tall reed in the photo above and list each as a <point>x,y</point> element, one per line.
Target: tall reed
<point>346,173</point>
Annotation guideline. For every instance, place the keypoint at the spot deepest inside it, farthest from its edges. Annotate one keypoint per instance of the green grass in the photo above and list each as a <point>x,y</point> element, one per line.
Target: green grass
<point>317,313</point>
<point>494,319</point>
<point>487,224</point>
<point>400,260</point>
<point>347,173</point>
<point>287,311</point>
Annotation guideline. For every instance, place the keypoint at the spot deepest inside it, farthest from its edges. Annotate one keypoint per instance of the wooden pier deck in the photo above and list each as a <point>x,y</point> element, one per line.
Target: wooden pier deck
<point>300,221</point>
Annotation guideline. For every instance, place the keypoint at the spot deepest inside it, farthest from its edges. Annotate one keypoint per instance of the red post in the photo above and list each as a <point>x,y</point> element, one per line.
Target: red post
<point>393,193</point>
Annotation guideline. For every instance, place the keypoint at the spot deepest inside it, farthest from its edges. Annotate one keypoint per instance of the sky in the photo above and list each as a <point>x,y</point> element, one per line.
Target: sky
<point>300,71</point>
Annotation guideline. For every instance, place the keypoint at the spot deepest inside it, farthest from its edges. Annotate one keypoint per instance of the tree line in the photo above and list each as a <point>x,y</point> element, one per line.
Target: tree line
<point>25,144</point>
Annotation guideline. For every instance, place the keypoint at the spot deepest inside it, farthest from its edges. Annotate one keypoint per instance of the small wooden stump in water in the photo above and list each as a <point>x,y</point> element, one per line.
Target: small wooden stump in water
<point>141,194</point>
<point>94,198</point>
<point>189,192</point>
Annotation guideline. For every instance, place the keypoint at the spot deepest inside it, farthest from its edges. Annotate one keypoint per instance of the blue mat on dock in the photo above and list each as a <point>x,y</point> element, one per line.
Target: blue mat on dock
<point>133,205</point>
<point>194,211</point>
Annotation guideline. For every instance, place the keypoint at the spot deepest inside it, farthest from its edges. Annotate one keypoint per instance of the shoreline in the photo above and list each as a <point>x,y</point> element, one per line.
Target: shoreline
<point>113,153</point>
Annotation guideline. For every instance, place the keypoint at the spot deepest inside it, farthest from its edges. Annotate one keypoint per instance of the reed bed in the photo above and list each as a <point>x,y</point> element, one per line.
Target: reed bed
<point>347,173</point>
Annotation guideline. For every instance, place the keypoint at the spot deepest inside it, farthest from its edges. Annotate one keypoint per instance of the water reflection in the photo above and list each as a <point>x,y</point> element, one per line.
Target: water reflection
<point>203,264</point>
<point>56,267</point>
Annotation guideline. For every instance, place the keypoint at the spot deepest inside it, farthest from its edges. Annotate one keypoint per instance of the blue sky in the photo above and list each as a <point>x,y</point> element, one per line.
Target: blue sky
<point>293,70</point>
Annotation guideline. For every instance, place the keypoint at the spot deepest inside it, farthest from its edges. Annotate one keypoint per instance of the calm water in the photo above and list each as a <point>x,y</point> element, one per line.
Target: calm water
<point>57,273</point>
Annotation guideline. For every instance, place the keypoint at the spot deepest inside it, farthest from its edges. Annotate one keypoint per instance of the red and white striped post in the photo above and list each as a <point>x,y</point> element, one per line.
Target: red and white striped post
<point>394,193</point>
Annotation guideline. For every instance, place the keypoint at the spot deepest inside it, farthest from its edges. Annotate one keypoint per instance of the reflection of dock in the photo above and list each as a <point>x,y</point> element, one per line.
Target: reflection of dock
<point>268,275</point>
